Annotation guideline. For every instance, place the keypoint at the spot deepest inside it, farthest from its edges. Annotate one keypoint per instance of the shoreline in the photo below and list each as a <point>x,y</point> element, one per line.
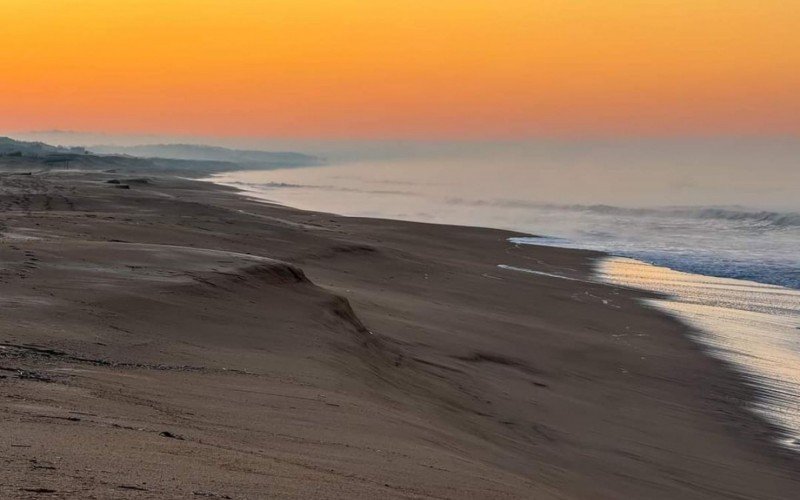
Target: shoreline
<point>780,436</point>
<point>746,256</point>
<point>782,416</point>
<point>505,387</point>
<point>744,324</point>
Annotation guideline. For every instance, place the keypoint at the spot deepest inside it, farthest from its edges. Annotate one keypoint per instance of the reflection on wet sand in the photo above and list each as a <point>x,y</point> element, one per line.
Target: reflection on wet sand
<point>750,325</point>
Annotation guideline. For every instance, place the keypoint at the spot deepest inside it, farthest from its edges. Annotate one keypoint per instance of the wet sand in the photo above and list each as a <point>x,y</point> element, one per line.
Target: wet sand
<point>174,339</point>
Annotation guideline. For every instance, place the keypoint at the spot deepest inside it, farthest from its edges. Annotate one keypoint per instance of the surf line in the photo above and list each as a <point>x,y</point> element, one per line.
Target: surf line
<point>540,273</point>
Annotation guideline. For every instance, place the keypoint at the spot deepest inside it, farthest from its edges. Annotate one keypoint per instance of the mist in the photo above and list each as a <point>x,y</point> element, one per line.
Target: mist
<point>754,172</point>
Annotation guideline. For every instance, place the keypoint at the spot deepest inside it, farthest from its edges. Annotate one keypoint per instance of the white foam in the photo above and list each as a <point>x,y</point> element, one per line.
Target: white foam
<point>540,273</point>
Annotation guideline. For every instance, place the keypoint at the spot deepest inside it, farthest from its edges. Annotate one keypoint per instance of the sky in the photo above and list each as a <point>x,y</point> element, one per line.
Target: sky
<point>383,69</point>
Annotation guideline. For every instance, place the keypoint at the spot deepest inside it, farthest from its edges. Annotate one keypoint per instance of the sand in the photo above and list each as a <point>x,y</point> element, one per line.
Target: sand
<point>174,339</point>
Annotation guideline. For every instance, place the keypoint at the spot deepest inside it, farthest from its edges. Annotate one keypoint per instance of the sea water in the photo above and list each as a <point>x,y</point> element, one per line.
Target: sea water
<point>728,222</point>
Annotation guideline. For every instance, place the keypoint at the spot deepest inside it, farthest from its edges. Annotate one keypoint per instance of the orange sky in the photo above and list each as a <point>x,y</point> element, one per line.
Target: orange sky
<point>387,68</point>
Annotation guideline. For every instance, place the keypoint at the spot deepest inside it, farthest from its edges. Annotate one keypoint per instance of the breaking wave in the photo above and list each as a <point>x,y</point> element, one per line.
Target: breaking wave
<point>761,217</point>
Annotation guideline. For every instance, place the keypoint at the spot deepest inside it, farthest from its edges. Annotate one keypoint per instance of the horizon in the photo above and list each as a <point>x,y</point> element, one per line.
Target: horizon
<point>754,174</point>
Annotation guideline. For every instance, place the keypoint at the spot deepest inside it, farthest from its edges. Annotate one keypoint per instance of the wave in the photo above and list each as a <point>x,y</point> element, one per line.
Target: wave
<point>765,217</point>
<point>758,217</point>
<point>286,185</point>
<point>775,271</point>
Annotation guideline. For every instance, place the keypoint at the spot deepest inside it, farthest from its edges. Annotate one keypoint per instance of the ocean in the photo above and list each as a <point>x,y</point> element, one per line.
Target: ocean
<point>725,227</point>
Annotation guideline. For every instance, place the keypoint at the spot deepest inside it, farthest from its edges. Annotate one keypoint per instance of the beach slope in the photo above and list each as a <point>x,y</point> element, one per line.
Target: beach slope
<point>168,338</point>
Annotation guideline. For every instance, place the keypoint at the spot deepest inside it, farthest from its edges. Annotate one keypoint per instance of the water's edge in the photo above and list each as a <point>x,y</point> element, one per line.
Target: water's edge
<point>727,318</point>
<point>751,327</point>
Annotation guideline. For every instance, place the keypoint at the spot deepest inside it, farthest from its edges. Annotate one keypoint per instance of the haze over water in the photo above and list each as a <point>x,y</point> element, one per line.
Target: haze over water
<point>722,208</point>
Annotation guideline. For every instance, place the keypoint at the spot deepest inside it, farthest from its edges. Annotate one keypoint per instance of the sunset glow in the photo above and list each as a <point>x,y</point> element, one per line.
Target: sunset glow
<point>442,68</point>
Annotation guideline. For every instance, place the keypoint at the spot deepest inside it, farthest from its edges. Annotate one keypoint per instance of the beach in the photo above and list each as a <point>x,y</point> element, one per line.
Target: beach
<point>171,338</point>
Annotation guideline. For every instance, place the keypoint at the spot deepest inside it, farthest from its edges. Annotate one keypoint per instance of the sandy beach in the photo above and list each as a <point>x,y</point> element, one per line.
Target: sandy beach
<point>171,338</point>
